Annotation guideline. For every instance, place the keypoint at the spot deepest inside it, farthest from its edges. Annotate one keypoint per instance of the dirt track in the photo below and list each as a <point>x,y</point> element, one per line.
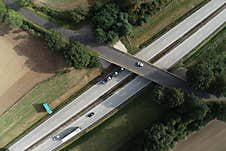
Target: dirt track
<point>24,61</point>
<point>210,138</point>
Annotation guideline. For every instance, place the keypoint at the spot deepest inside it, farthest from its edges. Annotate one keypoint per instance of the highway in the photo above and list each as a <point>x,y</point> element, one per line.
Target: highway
<point>130,89</point>
<point>121,95</point>
<point>86,98</point>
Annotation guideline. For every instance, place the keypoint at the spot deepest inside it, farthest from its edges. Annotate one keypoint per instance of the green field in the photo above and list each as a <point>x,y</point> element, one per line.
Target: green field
<point>160,21</point>
<point>123,126</point>
<point>28,110</point>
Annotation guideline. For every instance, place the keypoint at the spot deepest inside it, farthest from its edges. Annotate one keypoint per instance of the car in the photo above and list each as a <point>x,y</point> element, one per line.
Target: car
<point>139,64</point>
<point>115,73</point>
<point>109,78</point>
<point>56,138</point>
<point>90,114</point>
<point>104,81</point>
<point>122,69</point>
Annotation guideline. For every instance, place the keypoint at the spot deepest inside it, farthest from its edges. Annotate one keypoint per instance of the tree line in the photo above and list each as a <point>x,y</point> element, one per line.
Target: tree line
<point>187,114</point>
<point>75,54</point>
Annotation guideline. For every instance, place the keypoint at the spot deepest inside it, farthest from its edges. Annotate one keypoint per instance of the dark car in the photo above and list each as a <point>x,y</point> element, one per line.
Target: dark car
<point>90,114</point>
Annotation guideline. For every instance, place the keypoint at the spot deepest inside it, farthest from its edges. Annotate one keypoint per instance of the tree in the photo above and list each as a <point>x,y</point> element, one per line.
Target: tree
<point>94,61</point>
<point>56,41</point>
<point>3,13</point>
<point>78,56</point>
<point>14,19</point>
<point>110,22</point>
<point>218,86</point>
<point>157,94</point>
<point>173,97</point>
<point>200,76</point>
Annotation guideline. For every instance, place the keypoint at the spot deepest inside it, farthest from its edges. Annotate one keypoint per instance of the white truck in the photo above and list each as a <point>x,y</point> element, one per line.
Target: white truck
<point>68,135</point>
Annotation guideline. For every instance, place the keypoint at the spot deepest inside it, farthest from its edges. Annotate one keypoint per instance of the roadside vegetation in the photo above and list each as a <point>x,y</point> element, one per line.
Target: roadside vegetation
<point>207,66</point>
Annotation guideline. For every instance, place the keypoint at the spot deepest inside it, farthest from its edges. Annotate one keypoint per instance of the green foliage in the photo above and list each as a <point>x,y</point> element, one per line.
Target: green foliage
<point>71,17</point>
<point>218,86</point>
<point>110,22</point>
<point>173,97</point>
<point>78,56</point>
<point>140,10</point>
<point>24,3</point>
<point>14,19</point>
<point>218,110</point>
<point>200,76</point>
<point>208,76</point>
<point>56,41</point>
<point>3,13</point>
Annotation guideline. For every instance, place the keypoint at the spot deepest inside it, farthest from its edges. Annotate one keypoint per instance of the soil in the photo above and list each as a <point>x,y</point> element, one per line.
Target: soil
<point>24,62</point>
<point>210,138</point>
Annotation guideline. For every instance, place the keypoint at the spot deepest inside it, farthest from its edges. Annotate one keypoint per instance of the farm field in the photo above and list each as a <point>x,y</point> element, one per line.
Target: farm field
<point>24,62</point>
<point>210,138</point>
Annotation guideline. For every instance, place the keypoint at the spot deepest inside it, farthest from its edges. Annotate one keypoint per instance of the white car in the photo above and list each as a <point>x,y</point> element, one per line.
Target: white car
<point>139,64</point>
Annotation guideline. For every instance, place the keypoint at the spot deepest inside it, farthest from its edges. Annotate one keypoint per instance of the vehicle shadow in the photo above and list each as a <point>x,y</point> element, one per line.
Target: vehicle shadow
<point>38,107</point>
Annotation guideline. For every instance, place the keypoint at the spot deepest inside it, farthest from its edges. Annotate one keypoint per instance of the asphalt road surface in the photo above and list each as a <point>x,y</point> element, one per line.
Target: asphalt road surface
<point>72,109</point>
<point>123,94</point>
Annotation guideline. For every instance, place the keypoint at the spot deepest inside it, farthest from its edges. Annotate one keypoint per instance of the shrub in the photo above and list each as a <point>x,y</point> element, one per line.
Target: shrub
<point>200,76</point>
<point>56,41</point>
<point>78,56</point>
<point>110,22</point>
<point>14,19</point>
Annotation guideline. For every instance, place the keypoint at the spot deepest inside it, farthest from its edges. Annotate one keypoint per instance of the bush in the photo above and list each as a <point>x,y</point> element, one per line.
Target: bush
<point>172,98</point>
<point>3,13</point>
<point>110,22</point>
<point>56,41</point>
<point>200,76</point>
<point>14,19</point>
<point>78,56</point>
<point>140,10</point>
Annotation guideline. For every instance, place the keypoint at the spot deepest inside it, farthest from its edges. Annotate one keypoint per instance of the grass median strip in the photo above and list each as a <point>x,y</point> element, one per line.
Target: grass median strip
<point>159,22</point>
<point>54,91</point>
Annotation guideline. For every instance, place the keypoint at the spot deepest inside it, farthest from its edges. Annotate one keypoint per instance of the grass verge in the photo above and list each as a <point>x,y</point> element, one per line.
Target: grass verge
<point>161,22</point>
<point>130,119</point>
<point>28,110</point>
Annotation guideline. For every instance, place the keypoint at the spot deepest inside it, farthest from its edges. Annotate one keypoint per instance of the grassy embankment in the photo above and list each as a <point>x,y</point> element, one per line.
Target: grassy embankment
<point>160,23</point>
<point>26,114</point>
